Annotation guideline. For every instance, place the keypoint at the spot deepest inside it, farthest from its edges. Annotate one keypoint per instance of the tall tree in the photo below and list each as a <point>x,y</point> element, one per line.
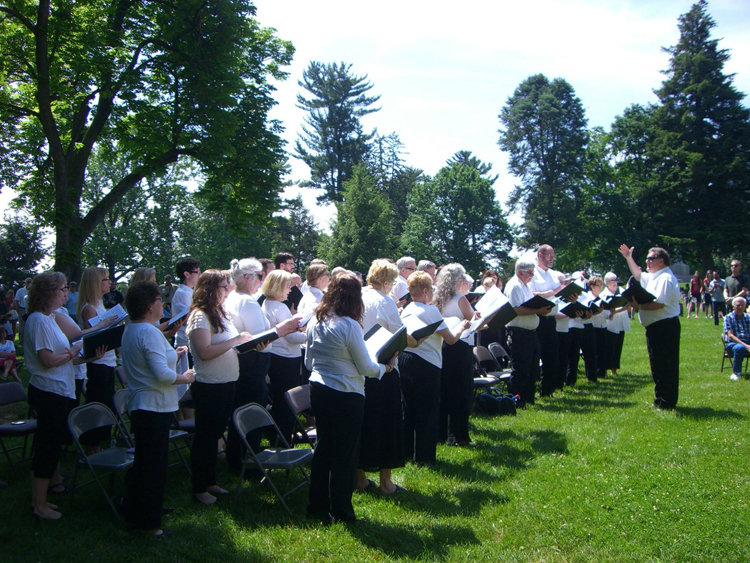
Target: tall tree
<point>332,142</point>
<point>363,229</point>
<point>544,132</point>
<point>158,82</point>
<point>296,233</point>
<point>701,149</point>
<point>455,217</point>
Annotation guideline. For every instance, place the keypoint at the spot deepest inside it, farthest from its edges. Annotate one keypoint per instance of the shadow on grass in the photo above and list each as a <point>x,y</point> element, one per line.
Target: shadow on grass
<point>467,501</point>
<point>401,542</point>
<point>706,413</point>
<point>587,397</point>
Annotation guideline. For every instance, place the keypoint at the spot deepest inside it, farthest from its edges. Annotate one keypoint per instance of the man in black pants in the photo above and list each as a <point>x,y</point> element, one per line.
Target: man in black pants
<point>661,319</point>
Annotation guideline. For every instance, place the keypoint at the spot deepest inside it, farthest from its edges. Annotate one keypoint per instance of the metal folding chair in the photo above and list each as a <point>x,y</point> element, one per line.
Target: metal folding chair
<point>252,416</point>
<point>11,393</point>
<point>298,399</point>
<point>727,355</point>
<point>112,460</point>
<point>496,375</point>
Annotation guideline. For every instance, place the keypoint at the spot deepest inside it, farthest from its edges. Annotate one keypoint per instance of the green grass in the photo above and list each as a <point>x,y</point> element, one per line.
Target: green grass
<point>592,474</point>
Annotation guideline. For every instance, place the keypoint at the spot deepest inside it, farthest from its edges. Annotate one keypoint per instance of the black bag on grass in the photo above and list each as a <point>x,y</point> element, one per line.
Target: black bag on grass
<point>496,403</point>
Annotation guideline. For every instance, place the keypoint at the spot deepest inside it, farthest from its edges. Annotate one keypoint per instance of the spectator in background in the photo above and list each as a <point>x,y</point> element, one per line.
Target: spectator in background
<point>72,303</point>
<point>21,307</point>
<point>114,297</point>
<point>707,293</point>
<point>737,331</point>
<point>736,285</point>
<point>168,290</point>
<point>718,301</point>
<point>696,289</point>
<point>8,360</point>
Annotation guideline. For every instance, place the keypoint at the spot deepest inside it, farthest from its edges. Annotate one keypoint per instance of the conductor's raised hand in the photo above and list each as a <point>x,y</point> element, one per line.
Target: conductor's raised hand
<point>627,252</point>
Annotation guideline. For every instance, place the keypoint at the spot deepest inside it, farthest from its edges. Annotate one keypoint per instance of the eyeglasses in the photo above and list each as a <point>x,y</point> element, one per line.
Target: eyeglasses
<point>225,287</point>
<point>651,258</point>
<point>195,271</point>
<point>256,274</point>
<point>735,265</point>
<point>159,299</point>
<point>409,268</point>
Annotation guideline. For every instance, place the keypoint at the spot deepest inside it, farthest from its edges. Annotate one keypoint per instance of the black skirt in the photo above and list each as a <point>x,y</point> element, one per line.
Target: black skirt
<point>382,439</point>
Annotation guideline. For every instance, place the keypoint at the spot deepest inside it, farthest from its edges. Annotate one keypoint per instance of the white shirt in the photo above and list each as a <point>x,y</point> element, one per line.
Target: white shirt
<point>310,301</point>
<point>287,346</point>
<point>544,280</point>
<point>379,309</point>
<point>42,333</point>
<point>150,364</point>
<point>519,293</point>
<point>247,315</point>
<point>223,369</point>
<point>110,358</point>
<point>80,369</point>
<point>181,300</point>
<point>664,285</point>
<point>453,309</point>
<point>619,322</point>
<point>431,350</point>
<point>21,297</point>
<point>399,288</point>
<point>337,355</point>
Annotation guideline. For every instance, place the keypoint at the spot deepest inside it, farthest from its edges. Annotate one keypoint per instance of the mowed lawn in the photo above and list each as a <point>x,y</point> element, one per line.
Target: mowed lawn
<point>592,474</point>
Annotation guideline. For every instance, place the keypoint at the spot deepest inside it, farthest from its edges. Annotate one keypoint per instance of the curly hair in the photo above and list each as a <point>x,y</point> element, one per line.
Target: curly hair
<point>140,297</point>
<point>42,291</point>
<point>446,284</point>
<point>381,271</point>
<point>344,299</point>
<point>206,299</point>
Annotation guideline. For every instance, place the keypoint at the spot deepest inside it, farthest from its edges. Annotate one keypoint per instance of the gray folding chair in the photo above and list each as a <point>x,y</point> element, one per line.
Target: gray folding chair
<point>495,375</point>
<point>121,410</point>
<point>499,353</point>
<point>11,393</point>
<point>298,399</point>
<point>112,460</point>
<point>252,416</point>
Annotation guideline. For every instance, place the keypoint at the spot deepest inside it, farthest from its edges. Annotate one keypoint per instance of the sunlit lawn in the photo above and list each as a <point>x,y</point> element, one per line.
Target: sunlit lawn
<point>592,474</point>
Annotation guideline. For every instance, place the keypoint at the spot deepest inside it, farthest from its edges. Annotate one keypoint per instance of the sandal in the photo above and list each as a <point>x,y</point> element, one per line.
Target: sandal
<point>370,485</point>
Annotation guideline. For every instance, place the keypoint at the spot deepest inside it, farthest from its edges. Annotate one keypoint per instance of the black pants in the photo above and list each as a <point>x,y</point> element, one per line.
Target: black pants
<point>284,375</point>
<point>51,430</point>
<point>615,340</point>
<point>546,333</point>
<point>663,343</point>
<point>420,385</point>
<point>100,388</point>
<point>147,480</point>
<point>588,347</point>
<point>456,392</point>
<point>601,335</point>
<point>563,351</point>
<point>524,353</point>
<point>213,407</point>
<point>719,307</point>
<point>251,387</point>
<point>575,335</point>
<point>382,436</point>
<point>333,471</point>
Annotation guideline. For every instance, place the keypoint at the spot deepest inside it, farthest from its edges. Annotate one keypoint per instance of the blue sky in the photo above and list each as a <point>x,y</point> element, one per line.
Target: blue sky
<point>444,69</point>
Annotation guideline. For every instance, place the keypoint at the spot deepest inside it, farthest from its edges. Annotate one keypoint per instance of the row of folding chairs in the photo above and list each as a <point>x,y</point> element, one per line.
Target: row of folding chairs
<point>488,372</point>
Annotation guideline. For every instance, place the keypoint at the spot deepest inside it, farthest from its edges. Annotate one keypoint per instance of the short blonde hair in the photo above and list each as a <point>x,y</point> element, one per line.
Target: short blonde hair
<point>418,281</point>
<point>596,280</point>
<point>276,283</point>
<point>381,272</point>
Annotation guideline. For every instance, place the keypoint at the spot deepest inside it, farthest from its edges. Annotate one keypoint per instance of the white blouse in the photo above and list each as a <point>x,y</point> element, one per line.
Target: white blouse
<point>247,315</point>
<point>287,346</point>
<point>431,350</point>
<point>42,333</point>
<point>224,368</point>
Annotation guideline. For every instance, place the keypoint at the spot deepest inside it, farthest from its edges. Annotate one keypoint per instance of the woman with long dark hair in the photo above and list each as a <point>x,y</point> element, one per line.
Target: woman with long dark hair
<point>339,361</point>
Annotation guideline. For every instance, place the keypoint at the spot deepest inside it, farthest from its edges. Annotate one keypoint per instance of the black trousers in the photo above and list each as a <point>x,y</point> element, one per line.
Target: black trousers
<point>588,347</point>
<point>601,336</point>
<point>333,471</point>
<point>563,351</point>
<point>524,352</point>
<point>213,407</point>
<point>456,392</point>
<point>420,385</point>
<point>546,333</point>
<point>575,335</point>
<point>100,388</point>
<point>51,430</point>
<point>382,435</point>
<point>251,387</point>
<point>147,480</point>
<point>615,340</point>
<point>663,343</point>
<point>284,374</point>
<point>719,307</point>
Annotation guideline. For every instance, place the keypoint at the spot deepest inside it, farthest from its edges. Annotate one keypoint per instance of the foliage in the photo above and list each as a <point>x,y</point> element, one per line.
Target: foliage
<point>296,233</point>
<point>454,217</point>
<point>544,132</point>
<point>156,82</point>
<point>332,142</point>
<point>363,230</point>
<point>21,249</point>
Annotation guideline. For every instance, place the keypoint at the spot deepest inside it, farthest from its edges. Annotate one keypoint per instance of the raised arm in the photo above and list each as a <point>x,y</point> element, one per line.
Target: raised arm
<point>627,253</point>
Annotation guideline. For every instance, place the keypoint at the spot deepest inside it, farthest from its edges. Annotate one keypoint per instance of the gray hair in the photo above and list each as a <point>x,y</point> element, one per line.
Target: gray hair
<point>239,268</point>
<point>425,265</point>
<point>526,262</point>
<point>739,299</point>
<point>610,276</point>
<point>404,261</point>
<point>446,284</point>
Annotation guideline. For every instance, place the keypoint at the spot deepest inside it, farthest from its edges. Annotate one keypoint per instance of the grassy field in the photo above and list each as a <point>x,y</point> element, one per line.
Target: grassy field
<point>592,474</point>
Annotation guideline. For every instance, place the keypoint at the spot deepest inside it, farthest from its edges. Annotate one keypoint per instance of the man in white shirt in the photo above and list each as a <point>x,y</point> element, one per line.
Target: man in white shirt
<point>20,298</point>
<point>662,321</point>
<point>406,265</point>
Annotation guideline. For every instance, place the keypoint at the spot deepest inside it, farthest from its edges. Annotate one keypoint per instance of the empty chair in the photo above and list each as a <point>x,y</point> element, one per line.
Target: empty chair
<point>499,353</point>
<point>11,393</point>
<point>251,417</point>
<point>298,399</point>
<point>495,372</point>
<point>111,460</point>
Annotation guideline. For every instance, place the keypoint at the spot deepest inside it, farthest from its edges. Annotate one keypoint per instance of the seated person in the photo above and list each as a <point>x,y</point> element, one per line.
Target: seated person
<point>737,331</point>
<point>8,360</point>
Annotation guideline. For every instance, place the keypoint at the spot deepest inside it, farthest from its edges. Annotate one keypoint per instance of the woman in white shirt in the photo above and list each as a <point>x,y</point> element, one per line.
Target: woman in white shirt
<point>247,316</point>
<point>339,361</point>
<point>618,323</point>
<point>457,373</point>
<point>100,374</point>
<point>49,359</point>
<point>212,338</point>
<point>420,370</point>
<point>150,363</point>
<point>284,371</point>
<point>317,279</point>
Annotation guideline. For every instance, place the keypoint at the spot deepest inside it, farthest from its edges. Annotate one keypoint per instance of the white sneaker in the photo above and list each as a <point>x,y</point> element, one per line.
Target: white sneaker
<point>735,377</point>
